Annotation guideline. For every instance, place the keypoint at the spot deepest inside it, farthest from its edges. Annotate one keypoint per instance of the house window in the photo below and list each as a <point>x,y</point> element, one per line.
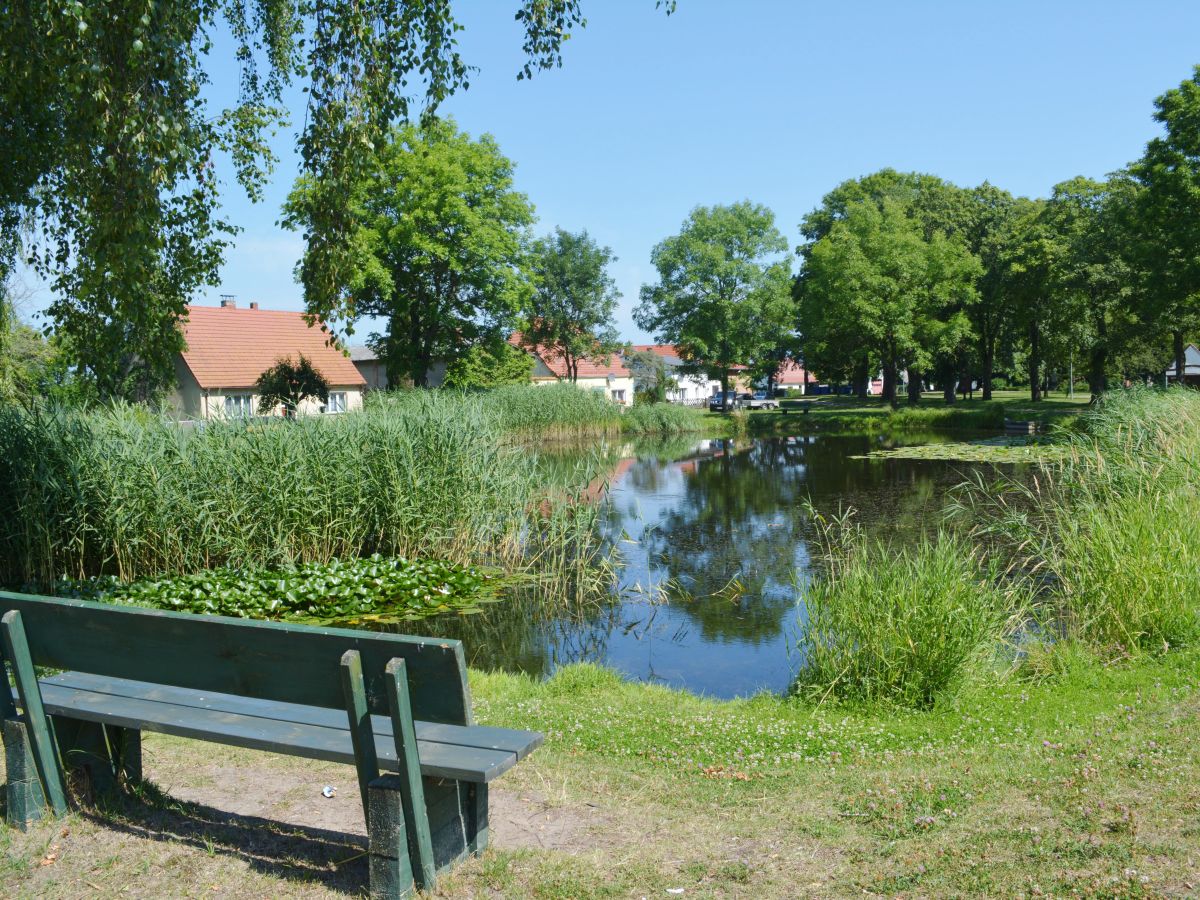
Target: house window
<point>238,405</point>
<point>337,402</point>
<point>619,396</point>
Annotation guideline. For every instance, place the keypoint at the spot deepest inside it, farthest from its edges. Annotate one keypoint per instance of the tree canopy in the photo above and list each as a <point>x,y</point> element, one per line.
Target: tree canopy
<point>875,288</point>
<point>574,298</point>
<point>723,297</point>
<point>110,188</point>
<point>438,233</point>
<point>289,384</point>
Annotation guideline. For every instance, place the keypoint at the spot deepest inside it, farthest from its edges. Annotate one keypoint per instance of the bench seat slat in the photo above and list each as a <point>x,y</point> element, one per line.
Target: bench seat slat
<point>255,732</point>
<point>510,740</point>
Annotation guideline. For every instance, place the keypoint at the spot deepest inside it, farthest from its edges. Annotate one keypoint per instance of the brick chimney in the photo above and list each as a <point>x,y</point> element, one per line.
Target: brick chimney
<point>228,301</point>
<point>254,304</point>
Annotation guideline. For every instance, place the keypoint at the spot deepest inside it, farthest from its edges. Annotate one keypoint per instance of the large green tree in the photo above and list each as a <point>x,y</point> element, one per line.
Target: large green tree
<point>875,279</point>
<point>1095,287</point>
<point>935,207</point>
<point>723,297</point>
<point>439,237</point>
<point>1168,217</point>
<point>574,299</point>
<point>111,145</point>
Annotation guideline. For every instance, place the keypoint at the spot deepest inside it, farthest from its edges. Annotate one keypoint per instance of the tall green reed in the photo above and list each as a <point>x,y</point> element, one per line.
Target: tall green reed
<point>124,492</point>
<point>905,626</point>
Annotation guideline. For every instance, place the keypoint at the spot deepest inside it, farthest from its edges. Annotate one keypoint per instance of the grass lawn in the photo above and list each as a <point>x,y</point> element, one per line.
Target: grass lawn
<point>852,414</point>
<point>1086,783</point>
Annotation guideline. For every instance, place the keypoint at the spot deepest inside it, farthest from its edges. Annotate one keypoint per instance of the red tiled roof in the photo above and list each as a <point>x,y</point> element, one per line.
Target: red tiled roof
<point>586,368</point>
<point>670,351</point>
<point>666,351</point>
<point>230,348</point>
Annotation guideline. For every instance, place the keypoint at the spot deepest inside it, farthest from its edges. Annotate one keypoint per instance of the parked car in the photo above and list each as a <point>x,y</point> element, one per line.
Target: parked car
<point>725,400</point>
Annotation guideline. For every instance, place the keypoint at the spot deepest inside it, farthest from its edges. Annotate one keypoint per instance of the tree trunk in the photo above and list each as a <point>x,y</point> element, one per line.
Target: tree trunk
<point>1035,363</point>
<point>1180,356</point>
<point>915,383</point>
<point>989,363</point>
<point>1097,379</point>
<point>889,382</point>
<point>724,392</point>
<point>861,374</point>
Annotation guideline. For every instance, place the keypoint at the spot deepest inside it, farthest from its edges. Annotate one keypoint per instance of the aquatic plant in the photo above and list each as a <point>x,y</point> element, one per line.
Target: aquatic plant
<point>373,588</point>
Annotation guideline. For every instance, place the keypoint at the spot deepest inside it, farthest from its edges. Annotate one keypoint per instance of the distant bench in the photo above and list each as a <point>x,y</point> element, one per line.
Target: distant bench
<point>378,701</point>
<point>803,405</point>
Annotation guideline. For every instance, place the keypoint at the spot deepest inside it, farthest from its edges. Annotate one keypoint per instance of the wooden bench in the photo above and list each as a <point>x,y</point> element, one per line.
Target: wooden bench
<point>396,707</point>
<point>803,405</point>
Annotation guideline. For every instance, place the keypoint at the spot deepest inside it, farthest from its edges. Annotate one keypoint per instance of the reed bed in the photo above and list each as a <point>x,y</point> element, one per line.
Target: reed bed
<point>123,492</point>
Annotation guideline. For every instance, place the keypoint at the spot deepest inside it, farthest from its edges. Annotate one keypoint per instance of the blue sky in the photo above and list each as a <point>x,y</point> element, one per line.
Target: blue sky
<point>778,102</point>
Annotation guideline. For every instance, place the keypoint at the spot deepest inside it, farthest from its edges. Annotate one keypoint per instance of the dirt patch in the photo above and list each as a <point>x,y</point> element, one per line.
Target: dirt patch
<point>290,792</point>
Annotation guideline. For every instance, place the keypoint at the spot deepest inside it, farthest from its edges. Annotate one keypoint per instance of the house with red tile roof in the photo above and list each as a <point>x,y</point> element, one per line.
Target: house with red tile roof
<point>692,390</point>
<point>608,375</point>
<point>229,348</point>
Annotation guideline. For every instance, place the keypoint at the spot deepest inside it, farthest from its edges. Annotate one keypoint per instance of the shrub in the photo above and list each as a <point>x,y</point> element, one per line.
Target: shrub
<point>900,626</point>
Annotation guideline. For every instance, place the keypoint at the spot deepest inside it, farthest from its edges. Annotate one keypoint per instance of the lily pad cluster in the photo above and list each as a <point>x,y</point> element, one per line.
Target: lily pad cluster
<point>372,588</point>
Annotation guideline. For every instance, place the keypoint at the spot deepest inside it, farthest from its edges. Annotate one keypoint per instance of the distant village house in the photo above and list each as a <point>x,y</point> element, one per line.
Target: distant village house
<point>1191,368</point>
<point>608,376</point>
<point>229,348</point>
<point>690,390</point>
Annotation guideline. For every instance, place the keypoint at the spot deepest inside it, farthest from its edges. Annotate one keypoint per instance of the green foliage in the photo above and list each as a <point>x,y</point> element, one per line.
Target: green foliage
<point>119,180</point>
<point>574,298</point>
<point>878,286</point>
<point>650,374</point>
<point>1119,536</point>
<point>551,410</point>
<point>900,625</point>
<point>662,418</point>
<point>374,588</point>
<point>1128,571</point>
<point>489,365</point>
<point>288,384</point>
<point>1167,219</point>
<point>437,243</point>
<point>723,295</point>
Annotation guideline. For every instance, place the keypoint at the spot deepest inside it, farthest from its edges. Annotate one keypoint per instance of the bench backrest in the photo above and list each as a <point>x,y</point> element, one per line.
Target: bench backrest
<point>267,660</point>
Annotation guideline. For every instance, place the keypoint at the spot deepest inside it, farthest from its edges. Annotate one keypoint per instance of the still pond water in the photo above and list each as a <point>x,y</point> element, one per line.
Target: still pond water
<point>718,526</point>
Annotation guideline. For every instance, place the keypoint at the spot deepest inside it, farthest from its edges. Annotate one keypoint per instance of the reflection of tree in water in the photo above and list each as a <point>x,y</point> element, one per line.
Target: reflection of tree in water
<point>736,520</point>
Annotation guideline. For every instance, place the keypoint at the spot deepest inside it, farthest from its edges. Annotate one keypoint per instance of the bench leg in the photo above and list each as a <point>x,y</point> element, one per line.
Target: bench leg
<point>477,826</point>
<point>23,791</point>
<point>99,757</point>
<point>387,840</point>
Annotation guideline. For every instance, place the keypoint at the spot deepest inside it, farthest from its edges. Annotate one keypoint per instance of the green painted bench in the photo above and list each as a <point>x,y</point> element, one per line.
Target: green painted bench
<point>396,707</point>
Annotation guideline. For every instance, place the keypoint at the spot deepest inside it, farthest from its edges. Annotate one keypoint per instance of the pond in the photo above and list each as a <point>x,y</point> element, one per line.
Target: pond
<point>714,547</point>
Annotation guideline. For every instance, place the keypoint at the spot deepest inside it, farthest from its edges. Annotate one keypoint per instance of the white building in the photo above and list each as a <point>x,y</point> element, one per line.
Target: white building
<point>229,348</point>
<point>691,390</point>
<point>1191,367</point>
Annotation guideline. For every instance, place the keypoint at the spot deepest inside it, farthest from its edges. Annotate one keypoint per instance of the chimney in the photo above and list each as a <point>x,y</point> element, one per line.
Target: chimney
<point>254,304</point>
<point>228,301</point>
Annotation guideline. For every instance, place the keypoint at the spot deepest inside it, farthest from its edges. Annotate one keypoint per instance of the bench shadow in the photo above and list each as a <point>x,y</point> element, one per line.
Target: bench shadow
<point>331,859</point>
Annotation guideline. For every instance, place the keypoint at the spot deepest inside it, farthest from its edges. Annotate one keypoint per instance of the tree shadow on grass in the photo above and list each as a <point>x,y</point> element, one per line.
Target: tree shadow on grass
<point>314,856</point>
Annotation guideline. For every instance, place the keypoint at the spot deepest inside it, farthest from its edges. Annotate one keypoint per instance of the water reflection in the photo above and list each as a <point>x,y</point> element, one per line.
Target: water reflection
<point>715,544</point>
